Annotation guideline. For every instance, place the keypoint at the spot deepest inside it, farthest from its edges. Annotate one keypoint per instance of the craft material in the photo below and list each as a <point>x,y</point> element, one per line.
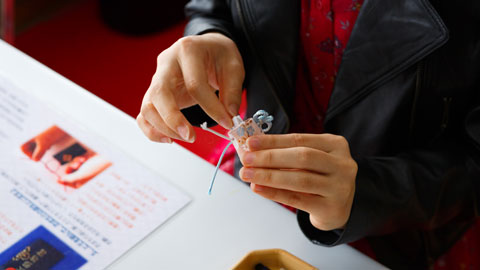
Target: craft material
<point>260,123</point>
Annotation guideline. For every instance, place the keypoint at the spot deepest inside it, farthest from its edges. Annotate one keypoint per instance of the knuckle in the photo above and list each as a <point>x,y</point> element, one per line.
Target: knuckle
<point>319,223</point>
<point>186,42</point>
<point>228,42</point>
<point>340,141</point>
<point>153,80</point>
<point>303,181</point>
<point>235,65</point>
<point>149,132</point>
<point>228,45</point>
<point>316,222</point>
<point>353,168</point>
<point>166,55</point>
<point>268,157</point>
<point>241,71</point>
<point>350,174</point>
<point>161,56</point>
<point>298,139</point>
<point>347,166</point>
<point>329,219</point>
<point>158,83</point>
<point>146,108</point>
<point>140,121</point>
<point>267,177</point>
<point>172,119</point>
<point>161,86</point>
<point>192,86</point>
<point>304,155</point>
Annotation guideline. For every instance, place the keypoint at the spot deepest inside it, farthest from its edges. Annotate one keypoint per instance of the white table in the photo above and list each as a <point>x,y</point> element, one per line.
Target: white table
<point>212,232</point>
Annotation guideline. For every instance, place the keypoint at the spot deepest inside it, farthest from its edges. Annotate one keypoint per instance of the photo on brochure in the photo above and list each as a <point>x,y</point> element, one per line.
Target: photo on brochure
<point>39,250</point>
<point>70,162</point>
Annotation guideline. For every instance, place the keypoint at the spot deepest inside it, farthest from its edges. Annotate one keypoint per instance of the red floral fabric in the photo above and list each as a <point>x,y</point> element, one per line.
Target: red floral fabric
<point>465,254</point>
<point>325,28</point>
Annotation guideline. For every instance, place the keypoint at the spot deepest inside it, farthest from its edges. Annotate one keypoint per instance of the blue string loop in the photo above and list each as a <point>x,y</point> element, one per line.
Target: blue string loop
<point>262,118</point>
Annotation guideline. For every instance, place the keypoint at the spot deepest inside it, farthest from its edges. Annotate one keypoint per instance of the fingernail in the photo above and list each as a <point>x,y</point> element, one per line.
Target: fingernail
<point>248,173</point>
<point>183,131</point>
<point>233,109</point>
<point>253,142</point>
<point>165,140</point>
<point>248,158</point>
<point>226,123</point>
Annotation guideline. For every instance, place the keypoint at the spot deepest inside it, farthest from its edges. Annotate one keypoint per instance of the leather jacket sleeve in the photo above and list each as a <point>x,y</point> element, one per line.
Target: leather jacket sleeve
<point>421,189</point>
<point>208,16</point>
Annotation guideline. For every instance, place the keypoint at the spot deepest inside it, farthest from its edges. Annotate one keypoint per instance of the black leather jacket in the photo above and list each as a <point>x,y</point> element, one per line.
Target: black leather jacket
<point>407,98</point>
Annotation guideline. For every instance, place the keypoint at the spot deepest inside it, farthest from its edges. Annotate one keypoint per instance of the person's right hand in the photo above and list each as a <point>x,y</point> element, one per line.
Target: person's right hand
<point>189,73</point>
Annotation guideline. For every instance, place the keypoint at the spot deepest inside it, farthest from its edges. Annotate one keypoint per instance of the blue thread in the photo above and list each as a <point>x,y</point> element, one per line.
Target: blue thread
<point>250,131</point>
<point>218,166</point>
<point>261,117</point>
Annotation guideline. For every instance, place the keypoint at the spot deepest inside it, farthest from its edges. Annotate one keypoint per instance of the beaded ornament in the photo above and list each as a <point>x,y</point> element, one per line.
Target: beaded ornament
<point>260,123</point>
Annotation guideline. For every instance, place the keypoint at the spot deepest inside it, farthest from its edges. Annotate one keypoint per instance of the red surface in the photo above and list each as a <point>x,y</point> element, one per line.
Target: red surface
<point>116,67</point>
<point>7,17</point>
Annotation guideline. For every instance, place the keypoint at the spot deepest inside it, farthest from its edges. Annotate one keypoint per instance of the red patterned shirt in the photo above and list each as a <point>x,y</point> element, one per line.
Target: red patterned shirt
<point>325,28</point>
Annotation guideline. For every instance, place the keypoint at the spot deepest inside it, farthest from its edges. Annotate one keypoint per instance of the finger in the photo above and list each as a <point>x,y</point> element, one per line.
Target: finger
<point>293,180</point>
<point>230,79</point>
<point>196,83</point>
<point>163,95</point>
<point>298,200</point>
<point>166,105</point>
<point>301,158</point>
<point>152,133</point>
<point>73,165</point>
<point>325,142</point>
<point>153,119</point>
<point>91,168</point>
<point>39,151</point>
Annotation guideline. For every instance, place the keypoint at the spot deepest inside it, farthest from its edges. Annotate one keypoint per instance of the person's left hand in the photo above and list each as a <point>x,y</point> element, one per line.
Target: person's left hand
<point>311,172</point>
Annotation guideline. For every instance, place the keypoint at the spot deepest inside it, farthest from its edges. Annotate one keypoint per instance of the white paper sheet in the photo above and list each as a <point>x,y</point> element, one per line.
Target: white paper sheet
<point>83,203</point>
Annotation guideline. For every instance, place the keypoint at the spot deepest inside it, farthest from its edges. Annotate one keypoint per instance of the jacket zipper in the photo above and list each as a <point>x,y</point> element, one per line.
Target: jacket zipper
<point>447,101</point>
<point>418,86</point>
<point>252,46</point>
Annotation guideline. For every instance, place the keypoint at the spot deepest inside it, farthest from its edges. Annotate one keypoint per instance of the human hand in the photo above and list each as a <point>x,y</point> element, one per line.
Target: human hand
<point>82,169</point>
<point>311,172</point>
<point>36,147</point>
<point>189,73</point>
